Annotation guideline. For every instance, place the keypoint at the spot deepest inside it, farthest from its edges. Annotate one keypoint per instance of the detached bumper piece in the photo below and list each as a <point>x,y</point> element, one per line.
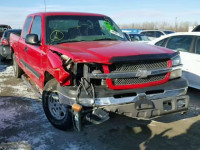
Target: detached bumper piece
<point>145,109</point>
<point>97,116</point>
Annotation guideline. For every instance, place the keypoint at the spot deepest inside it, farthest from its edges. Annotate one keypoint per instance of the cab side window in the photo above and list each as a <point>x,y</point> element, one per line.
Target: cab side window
<point>182,43</point>
<point>37,27</point>
<point>26,27</point>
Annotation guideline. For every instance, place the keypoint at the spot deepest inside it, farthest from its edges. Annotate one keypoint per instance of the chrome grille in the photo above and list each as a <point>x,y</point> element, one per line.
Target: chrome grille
<point>131,67</point>
<point>134,67</point>
<point>130,81</point>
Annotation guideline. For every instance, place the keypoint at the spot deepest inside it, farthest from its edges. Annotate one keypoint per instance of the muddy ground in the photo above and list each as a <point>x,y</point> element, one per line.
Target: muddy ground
<point>22,120</point>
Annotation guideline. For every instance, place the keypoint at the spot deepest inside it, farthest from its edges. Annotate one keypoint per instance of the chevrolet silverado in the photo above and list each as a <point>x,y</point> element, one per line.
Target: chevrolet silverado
<point>84,68</point>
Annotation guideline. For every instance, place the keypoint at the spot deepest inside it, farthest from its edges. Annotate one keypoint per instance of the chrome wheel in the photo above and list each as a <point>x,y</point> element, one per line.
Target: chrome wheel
<point>57,110</point>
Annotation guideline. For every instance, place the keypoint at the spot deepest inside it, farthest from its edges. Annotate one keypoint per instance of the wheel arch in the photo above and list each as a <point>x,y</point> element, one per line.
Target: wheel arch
<point>47,77</point>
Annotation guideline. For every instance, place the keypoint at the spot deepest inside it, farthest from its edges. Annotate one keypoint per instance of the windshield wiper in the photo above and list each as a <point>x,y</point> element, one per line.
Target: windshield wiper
<point>106,39</point>
<point>67,41</point>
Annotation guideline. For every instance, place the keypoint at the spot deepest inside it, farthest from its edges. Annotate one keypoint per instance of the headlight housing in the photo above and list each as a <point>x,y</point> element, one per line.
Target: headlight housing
<point>176,60</point>
<point>176,67</point>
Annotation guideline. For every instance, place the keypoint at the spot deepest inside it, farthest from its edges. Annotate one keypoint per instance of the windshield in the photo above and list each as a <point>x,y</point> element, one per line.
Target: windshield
<point>63,29</point>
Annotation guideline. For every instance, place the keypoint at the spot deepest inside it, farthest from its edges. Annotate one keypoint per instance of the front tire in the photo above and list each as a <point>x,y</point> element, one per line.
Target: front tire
<point>17,70</point>
<point>58,114</point>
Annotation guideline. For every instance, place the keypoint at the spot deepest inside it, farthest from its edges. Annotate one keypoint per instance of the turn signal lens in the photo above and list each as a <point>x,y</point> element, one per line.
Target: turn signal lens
<point>176,74</point>
<point>77,107</point>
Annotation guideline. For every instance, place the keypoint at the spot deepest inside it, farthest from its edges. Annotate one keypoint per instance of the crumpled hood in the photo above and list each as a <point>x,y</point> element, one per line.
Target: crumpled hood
<point>103,51</point>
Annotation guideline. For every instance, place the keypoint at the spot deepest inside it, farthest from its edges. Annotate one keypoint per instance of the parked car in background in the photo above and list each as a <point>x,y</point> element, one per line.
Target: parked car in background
<point>5,45</point>
<point>153,34</point>
<point>188,43</point>
<point>3,28</point>
<point>139,38</point>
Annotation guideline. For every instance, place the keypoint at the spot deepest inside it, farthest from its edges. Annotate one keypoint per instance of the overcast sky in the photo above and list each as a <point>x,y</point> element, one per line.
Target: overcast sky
<point>13,12</point>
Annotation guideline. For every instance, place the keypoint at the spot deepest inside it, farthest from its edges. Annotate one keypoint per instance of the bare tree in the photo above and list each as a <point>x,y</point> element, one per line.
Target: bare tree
<point>181,26</point>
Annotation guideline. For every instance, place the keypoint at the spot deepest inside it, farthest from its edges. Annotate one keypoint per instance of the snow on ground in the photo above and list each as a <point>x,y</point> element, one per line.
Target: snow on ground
<point>22,120</point>
<point>6,70</point>
<point>9,85</point>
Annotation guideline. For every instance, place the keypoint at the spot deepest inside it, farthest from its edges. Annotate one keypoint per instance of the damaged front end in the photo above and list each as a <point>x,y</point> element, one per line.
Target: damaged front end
<point>138,89</point>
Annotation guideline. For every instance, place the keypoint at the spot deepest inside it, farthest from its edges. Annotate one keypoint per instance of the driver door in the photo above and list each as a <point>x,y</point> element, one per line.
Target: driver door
<point>34,52</point>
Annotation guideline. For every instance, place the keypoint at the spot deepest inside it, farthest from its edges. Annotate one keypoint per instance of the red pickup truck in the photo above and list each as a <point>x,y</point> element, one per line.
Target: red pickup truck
<point>86,68</point>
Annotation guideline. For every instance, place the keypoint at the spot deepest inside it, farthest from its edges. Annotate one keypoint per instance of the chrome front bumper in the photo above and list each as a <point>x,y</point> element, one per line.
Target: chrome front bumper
<point>119,101</point>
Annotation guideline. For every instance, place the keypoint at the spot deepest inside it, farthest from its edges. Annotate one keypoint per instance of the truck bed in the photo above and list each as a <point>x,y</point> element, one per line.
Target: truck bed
<point>14,39</point>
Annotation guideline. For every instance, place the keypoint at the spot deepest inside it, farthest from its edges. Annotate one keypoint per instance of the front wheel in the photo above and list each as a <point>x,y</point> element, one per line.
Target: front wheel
<point>58,114</point>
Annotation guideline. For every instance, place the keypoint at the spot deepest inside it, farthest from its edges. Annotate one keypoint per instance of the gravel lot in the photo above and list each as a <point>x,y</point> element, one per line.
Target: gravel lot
<point>22,120</point>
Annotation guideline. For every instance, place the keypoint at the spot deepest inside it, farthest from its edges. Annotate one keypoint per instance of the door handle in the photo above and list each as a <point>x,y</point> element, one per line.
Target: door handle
<point>26,49</point>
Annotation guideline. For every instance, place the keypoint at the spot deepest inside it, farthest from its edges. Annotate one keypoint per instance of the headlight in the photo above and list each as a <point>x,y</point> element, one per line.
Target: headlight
<point>176,61</point>
<point>176,65</point>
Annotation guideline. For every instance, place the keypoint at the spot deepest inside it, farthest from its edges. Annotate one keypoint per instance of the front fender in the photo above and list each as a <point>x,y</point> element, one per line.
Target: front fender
<point>55,68</point>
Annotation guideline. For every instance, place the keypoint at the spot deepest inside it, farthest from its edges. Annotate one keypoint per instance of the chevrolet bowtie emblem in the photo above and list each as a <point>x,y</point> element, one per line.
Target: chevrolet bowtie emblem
<point>143,73</point>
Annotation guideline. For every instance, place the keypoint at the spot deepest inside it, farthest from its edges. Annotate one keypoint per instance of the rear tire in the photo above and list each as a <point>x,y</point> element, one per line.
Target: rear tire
<point>58,114</point>
<point>17,70</point>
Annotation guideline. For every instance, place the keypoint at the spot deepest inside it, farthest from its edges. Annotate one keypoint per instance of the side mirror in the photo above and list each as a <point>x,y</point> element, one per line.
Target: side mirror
<point>32,39</point>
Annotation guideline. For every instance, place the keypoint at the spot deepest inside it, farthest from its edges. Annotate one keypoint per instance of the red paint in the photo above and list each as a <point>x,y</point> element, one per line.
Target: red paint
<point>103,51</point>
<point>44,59</point>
